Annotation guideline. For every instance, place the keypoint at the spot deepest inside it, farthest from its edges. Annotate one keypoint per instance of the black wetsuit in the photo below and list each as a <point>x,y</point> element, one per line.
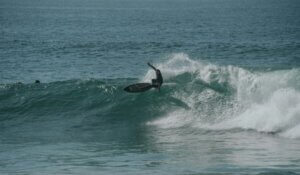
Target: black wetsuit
<point>159,79</point>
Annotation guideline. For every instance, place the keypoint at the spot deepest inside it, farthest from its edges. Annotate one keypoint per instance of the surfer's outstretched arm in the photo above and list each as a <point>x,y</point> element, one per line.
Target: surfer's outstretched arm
<point>152,66</point>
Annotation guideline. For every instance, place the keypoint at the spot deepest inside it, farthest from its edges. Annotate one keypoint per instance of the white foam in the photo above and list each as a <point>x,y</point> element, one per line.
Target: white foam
<point>279,113</point>
<point>263,101</point>
<point>173,119</point>
<point>293,133</point>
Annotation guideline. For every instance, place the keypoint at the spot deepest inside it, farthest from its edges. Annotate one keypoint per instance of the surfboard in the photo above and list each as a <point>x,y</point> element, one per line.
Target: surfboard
<point>138,87</point>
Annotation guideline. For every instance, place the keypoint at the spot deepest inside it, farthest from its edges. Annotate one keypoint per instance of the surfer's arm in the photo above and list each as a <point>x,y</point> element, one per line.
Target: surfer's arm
<point>152,66</point>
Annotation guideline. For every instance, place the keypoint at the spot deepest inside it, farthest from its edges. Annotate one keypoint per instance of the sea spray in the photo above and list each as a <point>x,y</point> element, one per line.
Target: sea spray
<point>226,97</point>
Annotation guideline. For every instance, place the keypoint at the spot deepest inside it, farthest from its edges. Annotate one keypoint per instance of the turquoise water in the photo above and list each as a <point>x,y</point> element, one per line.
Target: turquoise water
<point>230,102</point>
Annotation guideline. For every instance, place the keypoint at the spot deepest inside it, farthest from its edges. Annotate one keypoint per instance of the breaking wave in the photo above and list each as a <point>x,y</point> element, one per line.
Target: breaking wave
<point>195,95</point>
<point>228,97</point>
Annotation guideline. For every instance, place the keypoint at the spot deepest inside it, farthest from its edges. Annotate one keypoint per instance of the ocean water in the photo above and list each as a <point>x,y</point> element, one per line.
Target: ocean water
<point>230,102</point>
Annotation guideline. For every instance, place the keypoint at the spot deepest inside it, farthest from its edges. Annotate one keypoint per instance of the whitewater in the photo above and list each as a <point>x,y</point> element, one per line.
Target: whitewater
<point>263,101</point>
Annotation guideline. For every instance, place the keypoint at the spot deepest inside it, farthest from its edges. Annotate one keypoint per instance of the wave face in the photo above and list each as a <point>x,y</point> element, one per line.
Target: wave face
<point>195,95</point>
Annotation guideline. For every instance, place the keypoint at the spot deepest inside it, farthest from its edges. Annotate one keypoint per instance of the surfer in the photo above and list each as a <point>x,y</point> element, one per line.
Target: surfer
<point>156,83</point>
<point>142,87</point>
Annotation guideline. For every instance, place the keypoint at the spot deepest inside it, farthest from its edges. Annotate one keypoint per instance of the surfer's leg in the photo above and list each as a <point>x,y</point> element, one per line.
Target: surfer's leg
<point>154,81</point>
